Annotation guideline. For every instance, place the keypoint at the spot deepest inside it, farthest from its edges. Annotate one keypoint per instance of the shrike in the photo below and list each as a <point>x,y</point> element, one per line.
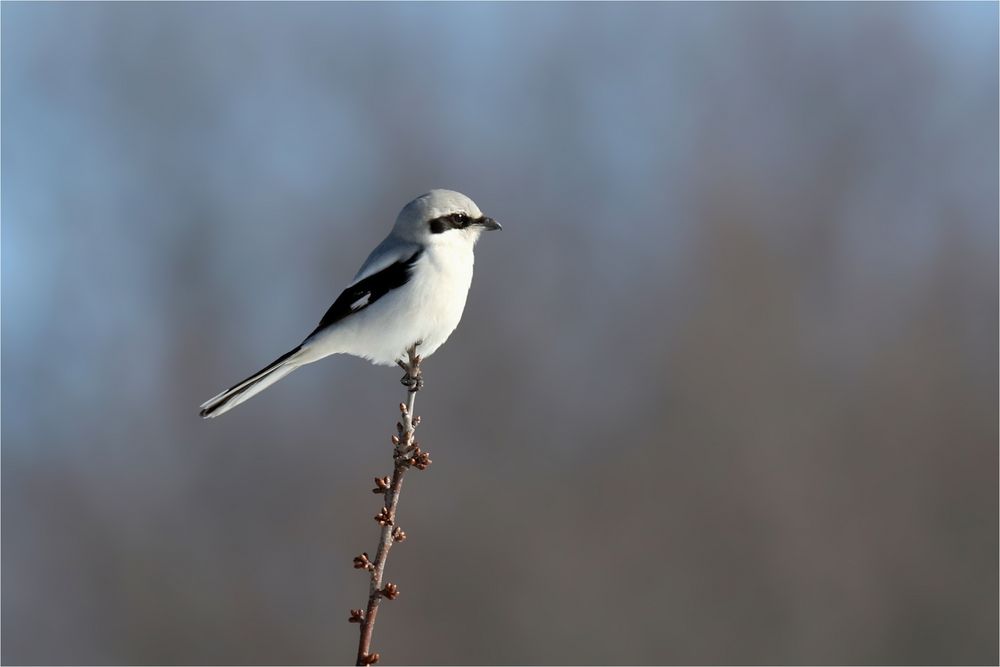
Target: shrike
<point>410,290</point>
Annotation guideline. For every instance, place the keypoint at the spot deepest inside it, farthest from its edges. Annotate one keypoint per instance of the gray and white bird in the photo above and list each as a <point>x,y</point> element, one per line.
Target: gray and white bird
<point>410,290</point>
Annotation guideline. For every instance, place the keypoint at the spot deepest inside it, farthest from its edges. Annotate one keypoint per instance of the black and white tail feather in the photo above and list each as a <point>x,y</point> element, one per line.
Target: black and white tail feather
<point>412,288</point>
<point>251,386</point>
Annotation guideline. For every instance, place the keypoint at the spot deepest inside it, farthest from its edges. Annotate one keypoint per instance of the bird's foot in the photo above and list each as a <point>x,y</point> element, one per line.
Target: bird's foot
<point>413,382</point>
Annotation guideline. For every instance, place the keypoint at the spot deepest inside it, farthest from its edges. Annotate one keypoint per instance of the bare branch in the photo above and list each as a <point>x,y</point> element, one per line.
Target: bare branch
<point>406,454</point>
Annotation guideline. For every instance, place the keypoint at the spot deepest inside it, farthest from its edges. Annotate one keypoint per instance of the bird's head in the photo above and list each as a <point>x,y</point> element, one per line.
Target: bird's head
<point>443,217</point>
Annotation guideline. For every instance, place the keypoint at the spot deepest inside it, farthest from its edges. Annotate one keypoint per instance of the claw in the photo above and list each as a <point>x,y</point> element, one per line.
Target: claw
<point>412,383</point>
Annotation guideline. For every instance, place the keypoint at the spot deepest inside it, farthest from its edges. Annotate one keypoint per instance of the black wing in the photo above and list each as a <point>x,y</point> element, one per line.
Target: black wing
<point>365,292</point>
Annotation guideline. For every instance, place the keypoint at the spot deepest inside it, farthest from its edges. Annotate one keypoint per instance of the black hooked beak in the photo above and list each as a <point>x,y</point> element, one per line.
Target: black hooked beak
<point>488,223</point>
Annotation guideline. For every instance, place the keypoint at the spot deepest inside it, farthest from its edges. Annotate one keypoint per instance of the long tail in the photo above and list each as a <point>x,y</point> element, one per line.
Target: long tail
<point>251,386</point>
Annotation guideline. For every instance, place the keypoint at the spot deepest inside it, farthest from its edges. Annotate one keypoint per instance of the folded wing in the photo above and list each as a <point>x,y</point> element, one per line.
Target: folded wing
<point>370,289</point>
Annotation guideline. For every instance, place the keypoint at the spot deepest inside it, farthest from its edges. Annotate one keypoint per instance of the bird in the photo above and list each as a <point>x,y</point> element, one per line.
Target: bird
<point>410,291</point>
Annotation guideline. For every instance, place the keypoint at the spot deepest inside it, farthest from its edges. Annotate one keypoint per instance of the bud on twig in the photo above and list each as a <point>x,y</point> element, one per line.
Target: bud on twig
<point>406,453</point>
<point>422,461</point>
<point>391,591</point>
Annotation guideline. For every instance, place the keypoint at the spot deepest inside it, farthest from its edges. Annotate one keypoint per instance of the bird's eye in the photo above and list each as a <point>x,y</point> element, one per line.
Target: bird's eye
<point>461,219</point>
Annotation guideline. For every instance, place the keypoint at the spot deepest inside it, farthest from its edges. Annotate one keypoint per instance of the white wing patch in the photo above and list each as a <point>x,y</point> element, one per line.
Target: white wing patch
<point>362,302</point>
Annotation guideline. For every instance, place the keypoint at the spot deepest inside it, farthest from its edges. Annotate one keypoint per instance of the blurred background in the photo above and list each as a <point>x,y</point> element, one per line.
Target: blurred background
<point>725,390</point>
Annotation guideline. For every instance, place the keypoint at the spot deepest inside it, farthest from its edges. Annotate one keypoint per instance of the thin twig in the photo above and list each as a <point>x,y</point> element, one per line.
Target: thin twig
<point>406,454</point>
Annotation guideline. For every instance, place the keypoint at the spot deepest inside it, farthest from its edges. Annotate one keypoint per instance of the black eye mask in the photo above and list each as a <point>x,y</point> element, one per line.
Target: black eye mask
<point>451,221</point>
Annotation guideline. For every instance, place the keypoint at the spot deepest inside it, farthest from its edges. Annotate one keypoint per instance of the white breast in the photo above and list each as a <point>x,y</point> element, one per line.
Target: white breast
<point>441,285</point>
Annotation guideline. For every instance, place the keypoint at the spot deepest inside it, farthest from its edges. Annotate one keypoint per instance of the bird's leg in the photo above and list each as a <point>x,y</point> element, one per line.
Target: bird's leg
<point>413,379</point>
<point>407,380</point>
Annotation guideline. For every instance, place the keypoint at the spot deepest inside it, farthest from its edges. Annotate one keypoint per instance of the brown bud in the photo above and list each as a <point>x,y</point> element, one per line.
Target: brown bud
<point>402,408</point>
<point>422,461</point>
<point>395,439</point>
<point>382,518</point>
<point>357,616</point>
<point>369,658</point>
<point>362,563</point>
<point>390,591</point>
<point>398,535</point>
<point>416,421</point>
<point>381,485</point>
